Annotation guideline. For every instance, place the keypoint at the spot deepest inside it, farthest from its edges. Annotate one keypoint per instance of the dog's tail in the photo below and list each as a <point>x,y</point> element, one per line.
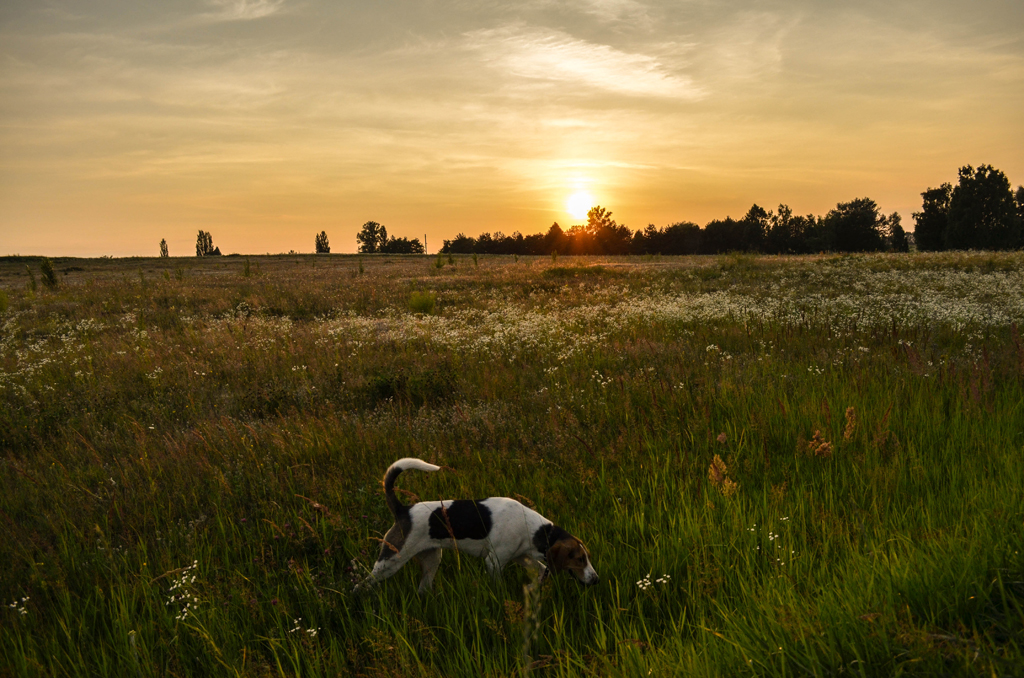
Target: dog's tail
<point>396,507</point>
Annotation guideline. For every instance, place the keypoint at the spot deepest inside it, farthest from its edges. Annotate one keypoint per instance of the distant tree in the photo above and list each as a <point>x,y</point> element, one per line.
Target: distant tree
<point>982,211</point>
<point>598,218</point>
<point>1019,196</point>
<point>682,237</point>
<point>555,240</point>
<point>372,238</point>
<point>754,230</point>
<point>163,248</point>
<point>856,226</point>
<point>721,235</point>
<point>204,245</point>
<point>534,243</point>
<point>782,236</point>
<point>462,244</point>
<point>484,244</point>
<point>323,246</point>
<point>402,246</point>
<point>647,241</point>
<point>933,219</point>
<point>605,235</point>
<point>896,237</point>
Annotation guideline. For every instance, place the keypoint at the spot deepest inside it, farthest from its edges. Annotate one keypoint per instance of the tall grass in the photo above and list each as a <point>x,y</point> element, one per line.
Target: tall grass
<point>780,466</point>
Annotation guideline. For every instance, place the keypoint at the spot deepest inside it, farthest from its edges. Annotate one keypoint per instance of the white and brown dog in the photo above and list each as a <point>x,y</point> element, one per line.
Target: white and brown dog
<point>499,530</point>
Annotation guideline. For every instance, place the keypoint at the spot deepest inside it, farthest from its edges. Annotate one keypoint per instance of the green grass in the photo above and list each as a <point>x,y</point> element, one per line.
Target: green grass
<point>239,425</point>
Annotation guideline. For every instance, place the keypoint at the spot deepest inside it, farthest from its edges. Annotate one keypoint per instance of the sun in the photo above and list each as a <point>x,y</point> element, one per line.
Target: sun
<point>579,204</point>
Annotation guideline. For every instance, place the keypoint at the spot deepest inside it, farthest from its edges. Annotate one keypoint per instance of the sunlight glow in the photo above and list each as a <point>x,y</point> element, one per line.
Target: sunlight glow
<point>579,204</point>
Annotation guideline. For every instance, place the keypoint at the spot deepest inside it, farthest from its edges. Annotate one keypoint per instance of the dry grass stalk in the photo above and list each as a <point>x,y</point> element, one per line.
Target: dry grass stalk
<point>818,446</point>
<point>718,474</point>
<point>851,423</point>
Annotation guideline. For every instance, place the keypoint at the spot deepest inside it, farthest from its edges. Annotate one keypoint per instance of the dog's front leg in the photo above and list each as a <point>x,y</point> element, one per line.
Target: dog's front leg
<point>386,566</point>
<point>429,561</point>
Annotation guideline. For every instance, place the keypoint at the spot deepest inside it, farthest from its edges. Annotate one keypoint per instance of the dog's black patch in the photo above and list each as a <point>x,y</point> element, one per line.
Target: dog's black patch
<point>546,536</point>
<point>460,519</point>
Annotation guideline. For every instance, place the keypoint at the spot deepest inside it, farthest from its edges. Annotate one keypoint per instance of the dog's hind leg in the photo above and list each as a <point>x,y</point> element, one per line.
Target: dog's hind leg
<point>429,561</point>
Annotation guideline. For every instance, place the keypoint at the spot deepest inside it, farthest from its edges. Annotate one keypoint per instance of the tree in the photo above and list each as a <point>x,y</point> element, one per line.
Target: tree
<point>932,220</point>
<point>204,245</point>
<point>607,236</point>
<point>598,218</point>
<point>785,233</point>
<point>982,211</point>
<point>896,237</point>
<point>754,229</point>
<point>323,246</point>
<point>372,238</point>
<point>682,237</point>
<point>402,246</point>
<point>462,244</point>
<point>555,240</point>
<point>721,235</point>
<point>163,248</point>
<point>856,226</point>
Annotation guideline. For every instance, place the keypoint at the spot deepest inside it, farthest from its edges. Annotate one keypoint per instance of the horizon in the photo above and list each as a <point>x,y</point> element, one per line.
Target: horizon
<point>265,122</point>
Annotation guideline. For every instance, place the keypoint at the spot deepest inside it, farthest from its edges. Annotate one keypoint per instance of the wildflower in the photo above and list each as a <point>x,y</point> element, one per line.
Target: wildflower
<point>722,438</point>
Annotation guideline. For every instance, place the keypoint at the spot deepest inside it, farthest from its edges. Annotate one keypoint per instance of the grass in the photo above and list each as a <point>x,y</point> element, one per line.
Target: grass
<point>782,466</point>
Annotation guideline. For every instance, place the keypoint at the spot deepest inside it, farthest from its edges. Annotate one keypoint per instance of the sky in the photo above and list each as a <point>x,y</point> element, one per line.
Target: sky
<point>265,122</point>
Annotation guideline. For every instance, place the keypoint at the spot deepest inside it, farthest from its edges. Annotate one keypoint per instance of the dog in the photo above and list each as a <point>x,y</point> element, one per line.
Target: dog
<point>499,530</point>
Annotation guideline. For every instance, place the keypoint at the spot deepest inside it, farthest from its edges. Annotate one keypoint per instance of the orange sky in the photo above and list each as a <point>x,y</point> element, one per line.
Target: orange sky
<point>266,121</point>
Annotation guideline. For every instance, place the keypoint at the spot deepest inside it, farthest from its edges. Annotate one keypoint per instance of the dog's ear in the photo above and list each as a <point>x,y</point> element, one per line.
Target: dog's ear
<point>557,556</point>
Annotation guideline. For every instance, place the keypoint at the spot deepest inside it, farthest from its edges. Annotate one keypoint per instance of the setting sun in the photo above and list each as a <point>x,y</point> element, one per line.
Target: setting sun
<point>579,204</point>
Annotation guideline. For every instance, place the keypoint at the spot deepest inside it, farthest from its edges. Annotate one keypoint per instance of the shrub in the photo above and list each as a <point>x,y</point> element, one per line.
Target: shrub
<point>31,279</point>
<point>422,302</point>
<point>49,275</point>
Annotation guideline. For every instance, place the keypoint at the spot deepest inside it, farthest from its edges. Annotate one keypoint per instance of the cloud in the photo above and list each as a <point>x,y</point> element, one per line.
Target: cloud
<point>243,10</point>
<point>750,46</point>
<point>613,11</point>
<point>547,55</point>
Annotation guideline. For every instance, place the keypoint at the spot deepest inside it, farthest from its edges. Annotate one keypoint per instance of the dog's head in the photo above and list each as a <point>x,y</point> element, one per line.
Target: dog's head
<point>571,555</point>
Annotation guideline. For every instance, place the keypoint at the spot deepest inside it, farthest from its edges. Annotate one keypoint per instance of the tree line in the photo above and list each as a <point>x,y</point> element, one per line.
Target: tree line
<point>981,212</point>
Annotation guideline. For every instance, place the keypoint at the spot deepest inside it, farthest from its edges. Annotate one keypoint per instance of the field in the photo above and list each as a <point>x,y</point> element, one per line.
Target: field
<point>781,466</point>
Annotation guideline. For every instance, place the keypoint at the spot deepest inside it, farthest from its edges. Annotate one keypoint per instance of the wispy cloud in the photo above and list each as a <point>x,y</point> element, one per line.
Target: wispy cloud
<point>750,46</point>
<point>556,57</point>
<point>242,10</point>
<point>613,11</point>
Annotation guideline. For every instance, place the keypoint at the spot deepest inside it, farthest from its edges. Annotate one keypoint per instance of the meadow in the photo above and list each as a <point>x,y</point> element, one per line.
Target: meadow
<point>781,465</point>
